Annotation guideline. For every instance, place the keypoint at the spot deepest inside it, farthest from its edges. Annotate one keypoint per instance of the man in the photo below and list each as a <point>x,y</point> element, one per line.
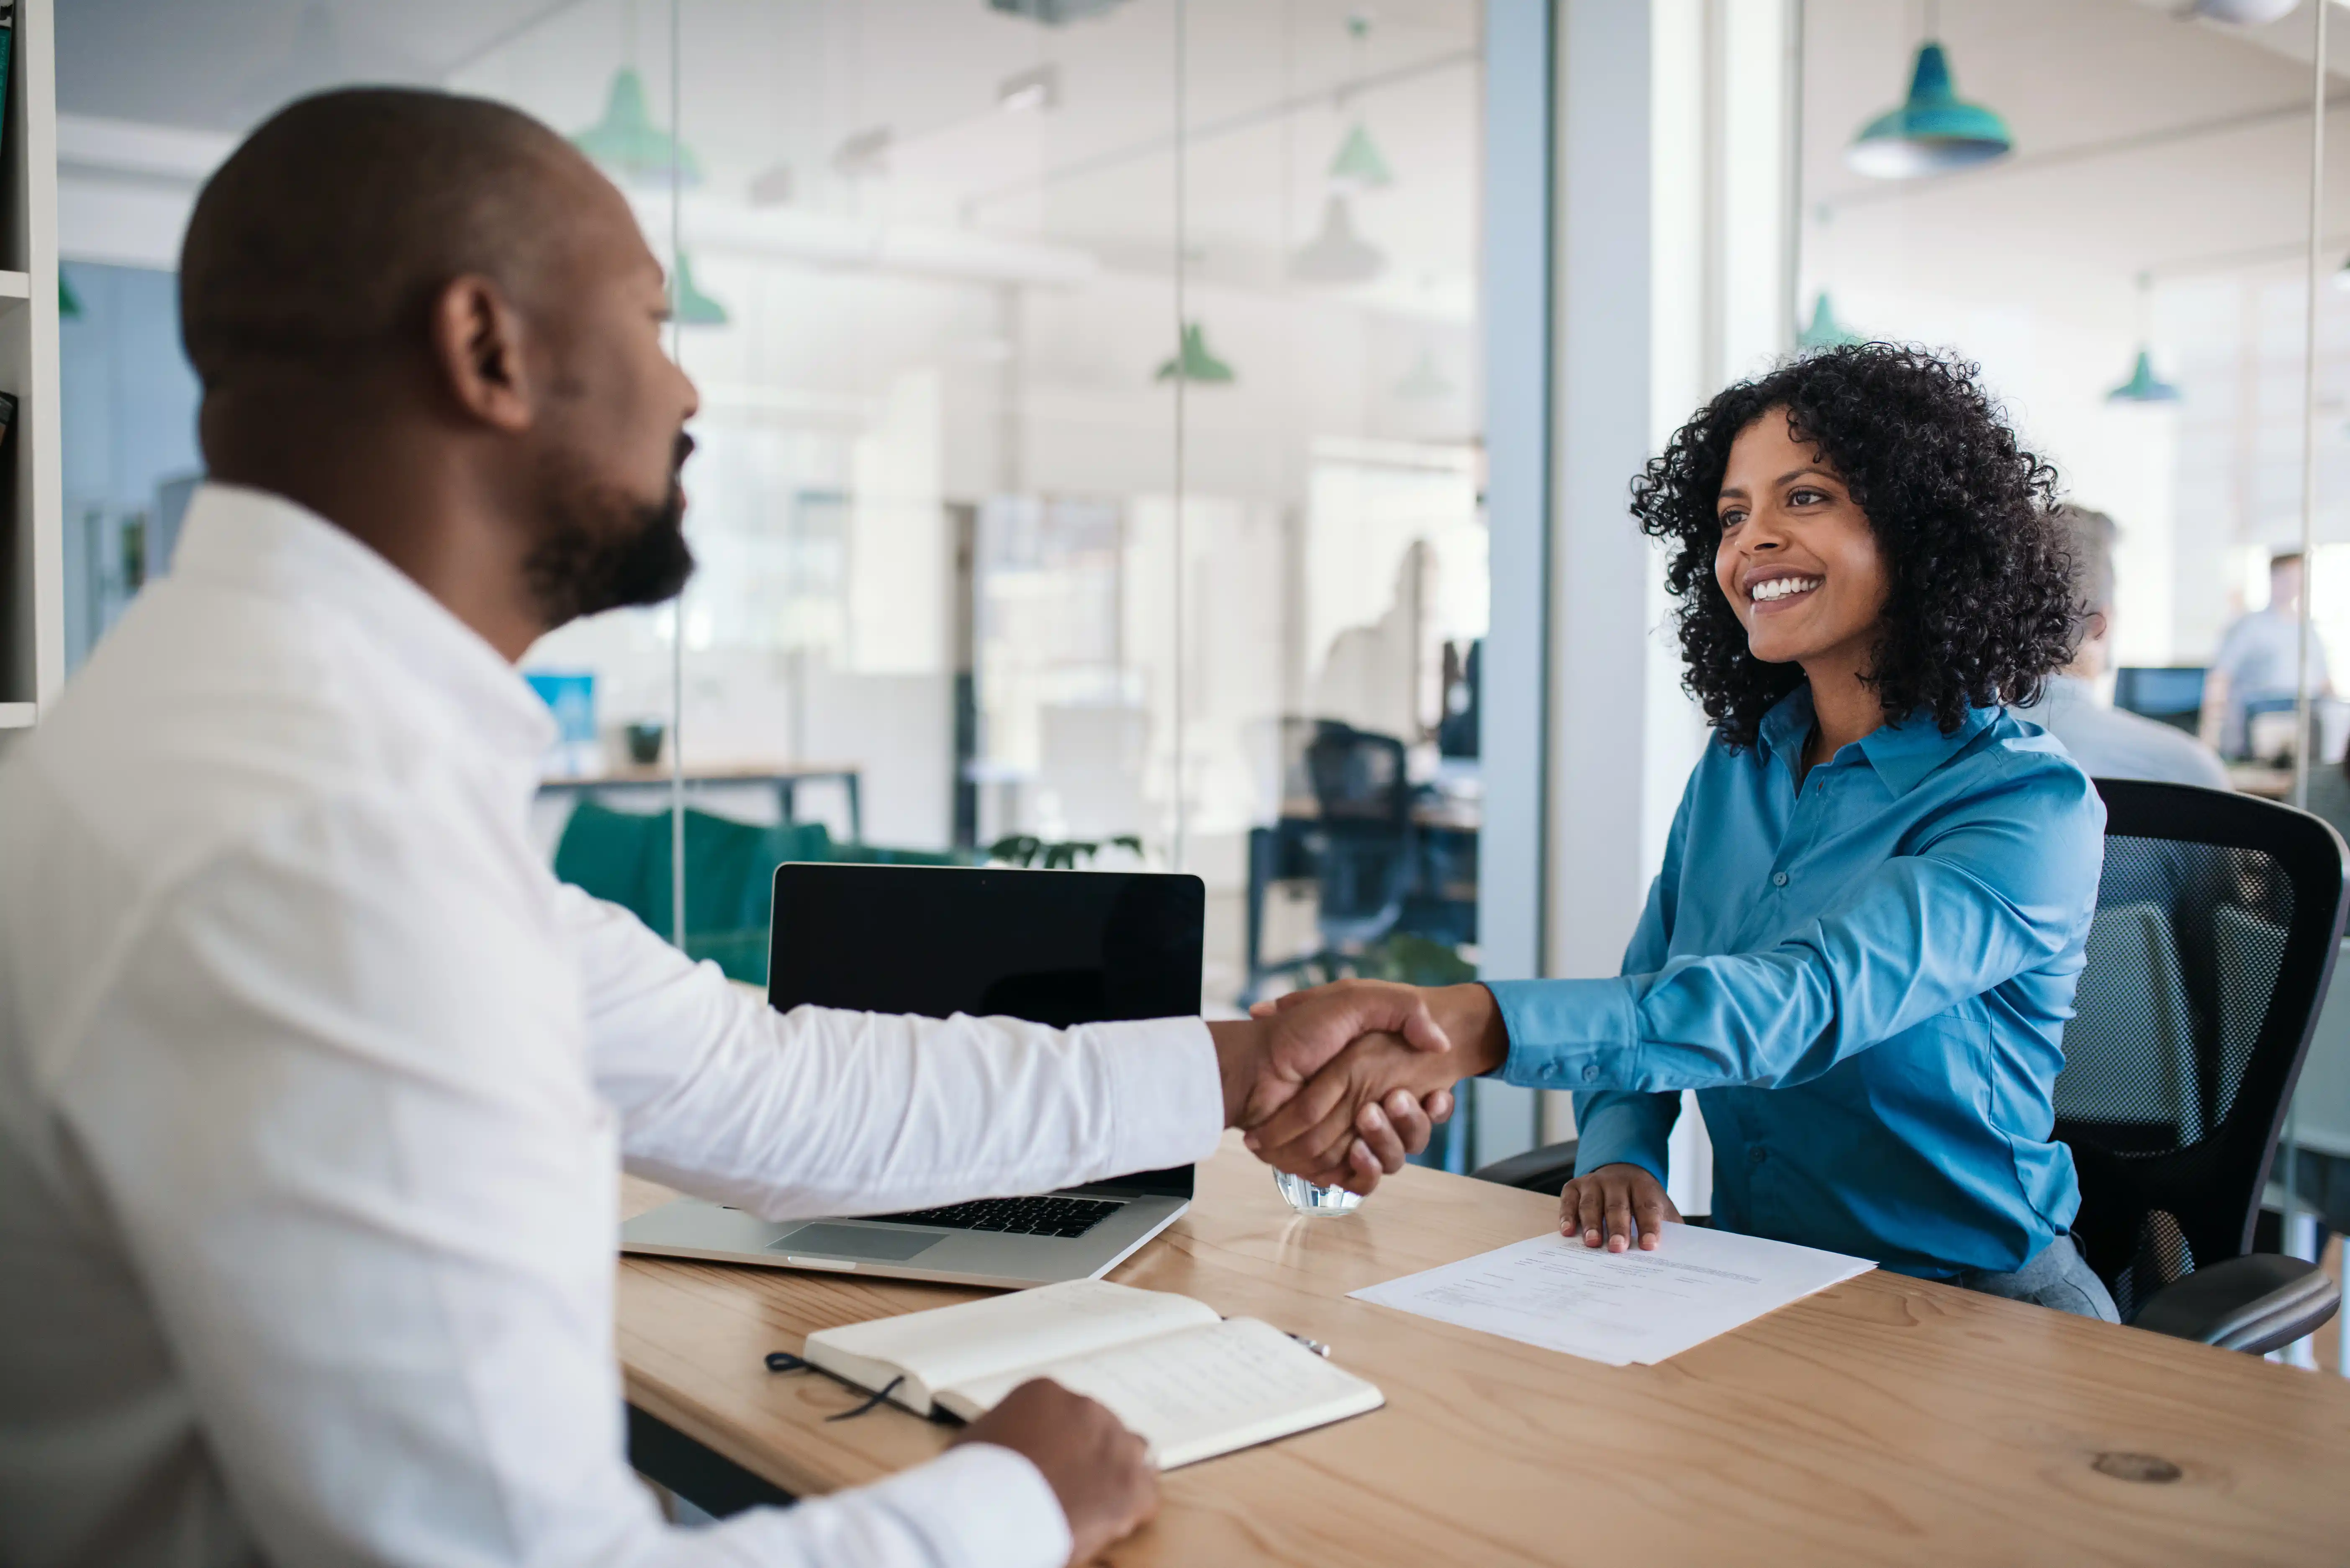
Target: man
<point>2107,743</point>
<point>2260,661</point>
<point>312,1078</point>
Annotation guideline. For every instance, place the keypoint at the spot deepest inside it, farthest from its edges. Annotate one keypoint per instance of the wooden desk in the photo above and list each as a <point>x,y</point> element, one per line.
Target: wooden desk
<point>2262,779</point>
<point>1883,1422</point>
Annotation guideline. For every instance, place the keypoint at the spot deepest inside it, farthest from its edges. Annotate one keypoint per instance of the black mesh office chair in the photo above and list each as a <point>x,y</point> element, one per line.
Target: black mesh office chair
<point>1364,837</point>
<point>1358,846</point>
<point>2218,921</point>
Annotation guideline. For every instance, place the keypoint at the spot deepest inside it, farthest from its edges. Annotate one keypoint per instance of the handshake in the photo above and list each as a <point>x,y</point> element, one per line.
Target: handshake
<point>1339,1084</point>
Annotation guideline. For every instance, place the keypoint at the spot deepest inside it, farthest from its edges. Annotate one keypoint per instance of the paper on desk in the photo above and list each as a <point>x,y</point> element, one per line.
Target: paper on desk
<point>1618,1307</point>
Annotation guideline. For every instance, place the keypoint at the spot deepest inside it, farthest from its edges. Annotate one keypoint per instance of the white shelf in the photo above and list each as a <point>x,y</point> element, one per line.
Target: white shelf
<point>32,501</point>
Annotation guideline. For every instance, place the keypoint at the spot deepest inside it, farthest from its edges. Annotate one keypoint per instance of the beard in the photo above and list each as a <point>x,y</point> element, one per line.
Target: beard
<point>600,549</point>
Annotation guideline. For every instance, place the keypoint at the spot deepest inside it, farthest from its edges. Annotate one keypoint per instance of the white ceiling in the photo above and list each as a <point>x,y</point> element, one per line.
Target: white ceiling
<point>2142,143</point>
<point>770,84</point>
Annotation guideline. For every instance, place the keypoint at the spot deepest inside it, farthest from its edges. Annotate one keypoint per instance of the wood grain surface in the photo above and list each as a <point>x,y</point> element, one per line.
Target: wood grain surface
<point>1885,1420</point>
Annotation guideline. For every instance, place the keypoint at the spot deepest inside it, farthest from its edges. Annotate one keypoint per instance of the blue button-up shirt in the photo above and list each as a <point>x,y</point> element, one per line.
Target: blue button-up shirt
<point>1865,975</point>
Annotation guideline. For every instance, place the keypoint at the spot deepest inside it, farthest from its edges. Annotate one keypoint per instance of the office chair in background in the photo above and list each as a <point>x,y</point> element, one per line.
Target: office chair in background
<point>1358,846</point>
<point>2219,917</point>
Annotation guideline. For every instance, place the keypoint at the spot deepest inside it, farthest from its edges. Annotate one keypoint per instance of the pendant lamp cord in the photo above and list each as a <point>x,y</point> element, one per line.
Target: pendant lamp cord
<point>2309,413</point>
<point>676,353</point>
<point>2301,706</point>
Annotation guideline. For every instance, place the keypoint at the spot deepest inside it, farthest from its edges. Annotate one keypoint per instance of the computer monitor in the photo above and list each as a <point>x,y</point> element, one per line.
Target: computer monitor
<point>2172,695</point>
<point>1061,948</point>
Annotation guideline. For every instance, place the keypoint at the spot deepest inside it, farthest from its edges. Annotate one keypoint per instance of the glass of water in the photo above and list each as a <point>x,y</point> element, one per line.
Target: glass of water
<point>1315,1202</point>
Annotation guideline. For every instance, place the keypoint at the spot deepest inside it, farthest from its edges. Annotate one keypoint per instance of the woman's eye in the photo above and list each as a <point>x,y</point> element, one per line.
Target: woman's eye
<point>1806,497</point>
<point>1733,519</point>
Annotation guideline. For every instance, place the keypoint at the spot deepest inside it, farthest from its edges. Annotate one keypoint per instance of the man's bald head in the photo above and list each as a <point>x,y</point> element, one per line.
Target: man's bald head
<point>431,322</point>
<point>316,249</point>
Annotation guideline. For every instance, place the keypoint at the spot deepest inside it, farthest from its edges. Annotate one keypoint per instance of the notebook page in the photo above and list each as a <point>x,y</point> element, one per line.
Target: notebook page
<point>999,1334</point>
<point>1196,1394</point>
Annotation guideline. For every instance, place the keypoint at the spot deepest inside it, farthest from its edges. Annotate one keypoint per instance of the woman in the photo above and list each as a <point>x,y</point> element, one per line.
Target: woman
<point>1862,947</point>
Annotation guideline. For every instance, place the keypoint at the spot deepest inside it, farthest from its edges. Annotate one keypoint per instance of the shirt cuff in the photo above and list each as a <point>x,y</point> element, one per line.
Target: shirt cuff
<point>979,1506</point>
<point>1166,1090</point>
<point>1569,1033</point>
<point>1618,1128</point>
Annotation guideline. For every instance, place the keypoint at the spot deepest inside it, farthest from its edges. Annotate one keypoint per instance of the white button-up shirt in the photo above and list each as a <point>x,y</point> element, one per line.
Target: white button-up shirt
<point>312,1079</point>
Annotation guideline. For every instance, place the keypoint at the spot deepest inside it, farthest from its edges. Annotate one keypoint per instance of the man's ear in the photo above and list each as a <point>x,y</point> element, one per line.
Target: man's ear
<point>477,352</point>
<point>2094,629</point>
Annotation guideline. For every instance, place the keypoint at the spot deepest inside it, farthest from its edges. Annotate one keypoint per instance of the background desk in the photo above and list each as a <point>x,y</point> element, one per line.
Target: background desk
<point>785,778</point>
<point>1883,1422</point>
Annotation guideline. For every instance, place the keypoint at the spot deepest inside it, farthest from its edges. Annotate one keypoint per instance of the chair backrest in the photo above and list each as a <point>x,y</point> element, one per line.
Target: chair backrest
<point>1358,776</point>
<point>2219,917</point>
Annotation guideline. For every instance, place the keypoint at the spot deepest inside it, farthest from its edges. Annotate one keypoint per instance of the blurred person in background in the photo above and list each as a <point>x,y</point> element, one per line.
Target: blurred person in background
<point>2108,742</point>
<point>2259,662</point>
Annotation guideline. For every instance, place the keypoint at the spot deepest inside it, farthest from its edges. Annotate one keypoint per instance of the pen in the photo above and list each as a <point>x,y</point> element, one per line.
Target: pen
<point>1315,1346</point>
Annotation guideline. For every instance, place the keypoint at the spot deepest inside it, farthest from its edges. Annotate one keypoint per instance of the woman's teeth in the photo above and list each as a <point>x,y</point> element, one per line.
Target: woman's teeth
<point>1762,593</point>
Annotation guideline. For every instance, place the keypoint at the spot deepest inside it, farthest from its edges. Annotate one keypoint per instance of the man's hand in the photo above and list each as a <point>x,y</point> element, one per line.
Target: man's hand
<point>1100,1471</point>
<point>1267,1058</point>
<point>1608,1206</point>
<point>1310,1133</point>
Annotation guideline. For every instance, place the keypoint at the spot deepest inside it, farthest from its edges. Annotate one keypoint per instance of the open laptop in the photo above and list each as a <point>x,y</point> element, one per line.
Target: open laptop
<point>1053,946</point>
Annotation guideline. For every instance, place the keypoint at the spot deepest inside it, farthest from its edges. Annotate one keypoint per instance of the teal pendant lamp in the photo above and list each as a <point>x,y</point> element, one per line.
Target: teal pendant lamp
<point>1933,130</point>
<point>2143,386</point>
<point>1361,165</point>
<point>1338,254</point>
<point>1824,330</point>
<point>627,142</point>
<point>693,307</point>
<point>1193,362</point>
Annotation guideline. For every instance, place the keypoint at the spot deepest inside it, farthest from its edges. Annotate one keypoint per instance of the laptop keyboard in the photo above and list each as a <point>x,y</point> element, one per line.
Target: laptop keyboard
<point>1014,1216</point>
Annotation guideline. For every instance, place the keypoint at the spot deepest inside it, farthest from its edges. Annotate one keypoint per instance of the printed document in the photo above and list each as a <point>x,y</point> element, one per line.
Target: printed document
<point>1618,1307</point>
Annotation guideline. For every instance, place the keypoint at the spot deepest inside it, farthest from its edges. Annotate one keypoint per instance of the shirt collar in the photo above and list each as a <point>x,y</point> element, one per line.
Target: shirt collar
<point>265,544</point>
<point>1902,753</point>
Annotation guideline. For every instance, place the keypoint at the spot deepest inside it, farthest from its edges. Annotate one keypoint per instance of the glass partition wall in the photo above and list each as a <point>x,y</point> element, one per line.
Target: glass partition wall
<point>1087,469</point>
<point>2115,215</point>
<point>1088,466</point>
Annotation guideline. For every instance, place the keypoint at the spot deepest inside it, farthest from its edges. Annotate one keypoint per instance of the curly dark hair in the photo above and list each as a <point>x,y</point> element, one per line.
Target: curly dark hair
<point>1981,605</point>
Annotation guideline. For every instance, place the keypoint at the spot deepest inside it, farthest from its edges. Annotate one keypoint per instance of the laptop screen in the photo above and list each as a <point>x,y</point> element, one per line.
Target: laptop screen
<point>1053,946</point>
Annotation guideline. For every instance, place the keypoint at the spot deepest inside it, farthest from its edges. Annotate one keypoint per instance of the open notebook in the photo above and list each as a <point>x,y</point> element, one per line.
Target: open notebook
<point>1191,1384</point>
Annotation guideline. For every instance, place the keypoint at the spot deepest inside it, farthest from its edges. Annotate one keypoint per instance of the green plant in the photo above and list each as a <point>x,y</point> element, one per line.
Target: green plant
<point>1026,849</point>
<point>1413,960</point>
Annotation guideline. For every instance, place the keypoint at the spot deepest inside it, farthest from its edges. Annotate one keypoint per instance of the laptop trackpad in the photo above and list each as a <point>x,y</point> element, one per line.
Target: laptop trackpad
<point>857,1241</point>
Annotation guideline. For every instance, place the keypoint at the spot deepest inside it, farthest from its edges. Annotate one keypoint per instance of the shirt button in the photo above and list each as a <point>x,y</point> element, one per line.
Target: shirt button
<point>1590,1072</point>
<point>1778,879</point>
<point>1757,1156</point>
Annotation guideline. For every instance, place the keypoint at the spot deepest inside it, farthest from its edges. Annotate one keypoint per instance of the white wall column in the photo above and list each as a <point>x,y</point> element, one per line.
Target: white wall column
<point>1675,158</point>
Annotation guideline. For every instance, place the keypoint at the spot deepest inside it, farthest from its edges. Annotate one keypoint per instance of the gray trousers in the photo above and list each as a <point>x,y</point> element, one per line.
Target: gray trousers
<point>2060,1277</point>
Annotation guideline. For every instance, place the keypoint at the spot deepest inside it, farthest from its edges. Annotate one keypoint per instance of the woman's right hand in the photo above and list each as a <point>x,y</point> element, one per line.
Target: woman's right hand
<point>1611,1205</point>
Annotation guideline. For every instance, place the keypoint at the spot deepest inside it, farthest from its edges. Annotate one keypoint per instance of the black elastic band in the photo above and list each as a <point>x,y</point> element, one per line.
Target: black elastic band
<point>784,1361</point>
<point>870,1403</point>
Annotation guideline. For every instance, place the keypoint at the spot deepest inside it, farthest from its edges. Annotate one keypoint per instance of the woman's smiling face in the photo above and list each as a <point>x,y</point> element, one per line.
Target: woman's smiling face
<point>1797,559</point>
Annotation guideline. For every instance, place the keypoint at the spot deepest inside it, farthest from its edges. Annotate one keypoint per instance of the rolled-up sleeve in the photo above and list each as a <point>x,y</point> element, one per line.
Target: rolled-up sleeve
<point>1997,888</point>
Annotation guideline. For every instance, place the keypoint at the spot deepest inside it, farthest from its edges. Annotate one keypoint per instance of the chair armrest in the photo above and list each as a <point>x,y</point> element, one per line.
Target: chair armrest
<point>1543,1170</point>
<point>2253,1303</point>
